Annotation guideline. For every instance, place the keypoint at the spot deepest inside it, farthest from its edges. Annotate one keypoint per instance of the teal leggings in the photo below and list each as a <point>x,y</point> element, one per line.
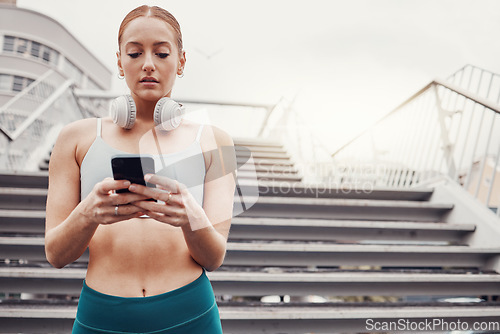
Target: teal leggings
<point>190,309</point>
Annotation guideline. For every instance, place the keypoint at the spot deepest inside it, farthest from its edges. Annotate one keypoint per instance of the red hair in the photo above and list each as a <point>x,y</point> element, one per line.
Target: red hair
<point>156,12</point>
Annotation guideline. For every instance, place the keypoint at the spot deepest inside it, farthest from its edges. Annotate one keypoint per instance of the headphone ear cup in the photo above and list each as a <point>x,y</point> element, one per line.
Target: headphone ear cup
<point>168,114</point>
<point>122,110</point>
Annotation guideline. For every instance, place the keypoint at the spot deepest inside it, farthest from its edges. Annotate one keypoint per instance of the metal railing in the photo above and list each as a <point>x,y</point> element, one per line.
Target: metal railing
<point>447,128</point>
<point>16,111</point>
<point>31,120</point>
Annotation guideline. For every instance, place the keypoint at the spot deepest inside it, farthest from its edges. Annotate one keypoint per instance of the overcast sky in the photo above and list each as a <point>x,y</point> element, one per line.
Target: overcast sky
<point>348,62</point>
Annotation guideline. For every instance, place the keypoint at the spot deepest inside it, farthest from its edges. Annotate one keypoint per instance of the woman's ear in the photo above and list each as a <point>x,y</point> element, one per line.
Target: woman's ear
<point>119,63</point>
<point>182,63</point>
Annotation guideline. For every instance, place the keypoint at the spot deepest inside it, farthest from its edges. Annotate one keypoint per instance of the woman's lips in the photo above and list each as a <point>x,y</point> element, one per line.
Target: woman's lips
<point>149,83</point>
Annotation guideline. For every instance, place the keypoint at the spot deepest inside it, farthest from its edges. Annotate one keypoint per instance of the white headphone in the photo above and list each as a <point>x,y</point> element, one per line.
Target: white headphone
<point>168,114</point>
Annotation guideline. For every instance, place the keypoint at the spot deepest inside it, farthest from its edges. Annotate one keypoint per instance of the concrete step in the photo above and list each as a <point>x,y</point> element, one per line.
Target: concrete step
<point>22,221</point>
<point>280,253</point>
<point>266,169</point>
<point>348,283</point>
<point>258,318</point>
<point>265,162</point>
<point>258,155</point>
<point>244,228</point>
<point>23,198</point>
<point>260,148</point>
<point>337,208</point>
<point>269,176</point>
<point>257,142</point>
<point>299,189</point>
<point>68,281</point>
<point>24,180</point>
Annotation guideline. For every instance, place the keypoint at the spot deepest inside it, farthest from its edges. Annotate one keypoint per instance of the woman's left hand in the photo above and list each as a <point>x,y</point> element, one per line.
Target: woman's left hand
<point>179,208</point>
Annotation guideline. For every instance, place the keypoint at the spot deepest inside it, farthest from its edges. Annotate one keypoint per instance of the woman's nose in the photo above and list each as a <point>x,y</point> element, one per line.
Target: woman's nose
<point>148,63</point>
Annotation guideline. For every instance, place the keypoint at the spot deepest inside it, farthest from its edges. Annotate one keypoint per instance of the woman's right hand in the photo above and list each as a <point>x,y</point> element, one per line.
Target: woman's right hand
<point>105,206</point>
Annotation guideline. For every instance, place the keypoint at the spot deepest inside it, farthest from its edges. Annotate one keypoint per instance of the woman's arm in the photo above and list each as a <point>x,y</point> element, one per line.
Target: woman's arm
<point>70,224</point>
<point>205,229</point>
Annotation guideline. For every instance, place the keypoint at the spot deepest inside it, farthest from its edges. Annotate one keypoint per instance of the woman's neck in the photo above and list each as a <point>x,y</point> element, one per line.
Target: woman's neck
<point>145,110</point>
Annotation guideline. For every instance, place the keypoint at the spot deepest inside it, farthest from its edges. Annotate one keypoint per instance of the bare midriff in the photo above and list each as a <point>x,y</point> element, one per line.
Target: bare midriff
<point>139,257</point>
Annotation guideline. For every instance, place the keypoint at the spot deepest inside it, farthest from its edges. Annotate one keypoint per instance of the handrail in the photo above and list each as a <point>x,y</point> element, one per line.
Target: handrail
<point>109,95</point>
<point>454,88</point>
<point>266,119</point>
<point>26,90</point>
<point>41,109</point>
<point>471,96</point>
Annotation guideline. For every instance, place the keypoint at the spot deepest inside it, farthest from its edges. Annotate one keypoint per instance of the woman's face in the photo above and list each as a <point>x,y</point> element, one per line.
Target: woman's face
<point>149,58</point>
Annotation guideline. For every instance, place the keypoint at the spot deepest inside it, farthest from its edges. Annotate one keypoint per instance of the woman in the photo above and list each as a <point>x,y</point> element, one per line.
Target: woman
<point>147,259</point>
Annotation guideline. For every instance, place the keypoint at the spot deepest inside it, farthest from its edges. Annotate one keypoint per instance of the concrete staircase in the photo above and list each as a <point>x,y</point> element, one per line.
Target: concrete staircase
<point>335,260</point>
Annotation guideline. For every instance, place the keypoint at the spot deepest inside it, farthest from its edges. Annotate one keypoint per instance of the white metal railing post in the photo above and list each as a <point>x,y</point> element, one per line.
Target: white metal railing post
<point>483,161</point>
<point>447,145</point>
<point>469,173</point>
<point>420,152</point>
<point>493,175</point>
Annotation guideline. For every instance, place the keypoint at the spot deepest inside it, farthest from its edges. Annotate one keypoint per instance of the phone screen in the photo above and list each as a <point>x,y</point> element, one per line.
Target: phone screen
<point>133,169</point>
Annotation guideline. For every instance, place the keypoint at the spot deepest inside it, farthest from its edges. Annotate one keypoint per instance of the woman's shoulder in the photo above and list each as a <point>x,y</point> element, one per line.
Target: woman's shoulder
<point>214,134</point>
<point>77,134</point>
<point>81,126</point>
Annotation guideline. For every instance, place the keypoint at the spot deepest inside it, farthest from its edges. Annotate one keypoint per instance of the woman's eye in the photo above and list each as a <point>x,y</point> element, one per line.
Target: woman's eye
<point>134,55</point>
<point>162,55</point>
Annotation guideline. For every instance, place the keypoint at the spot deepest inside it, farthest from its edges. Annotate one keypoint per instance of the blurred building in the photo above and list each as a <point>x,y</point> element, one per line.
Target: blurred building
<point>33,43</point>
<point>41,63</point>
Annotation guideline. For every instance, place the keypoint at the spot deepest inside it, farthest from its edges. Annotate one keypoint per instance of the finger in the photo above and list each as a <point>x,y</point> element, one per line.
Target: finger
<point>107,185</point>
<point>165,182</point>
<point>155,193</point>
<point>153,206</point>
<point>118,213</point>
<point>126,198</point>
<point>167,210</point>
<point>125,210</point>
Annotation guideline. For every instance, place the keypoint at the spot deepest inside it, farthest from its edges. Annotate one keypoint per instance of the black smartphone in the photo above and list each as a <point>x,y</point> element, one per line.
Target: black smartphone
<point>132,168</point>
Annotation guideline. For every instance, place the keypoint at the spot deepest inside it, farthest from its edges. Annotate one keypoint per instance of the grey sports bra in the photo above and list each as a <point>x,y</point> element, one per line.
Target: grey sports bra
<point>186,166</point>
